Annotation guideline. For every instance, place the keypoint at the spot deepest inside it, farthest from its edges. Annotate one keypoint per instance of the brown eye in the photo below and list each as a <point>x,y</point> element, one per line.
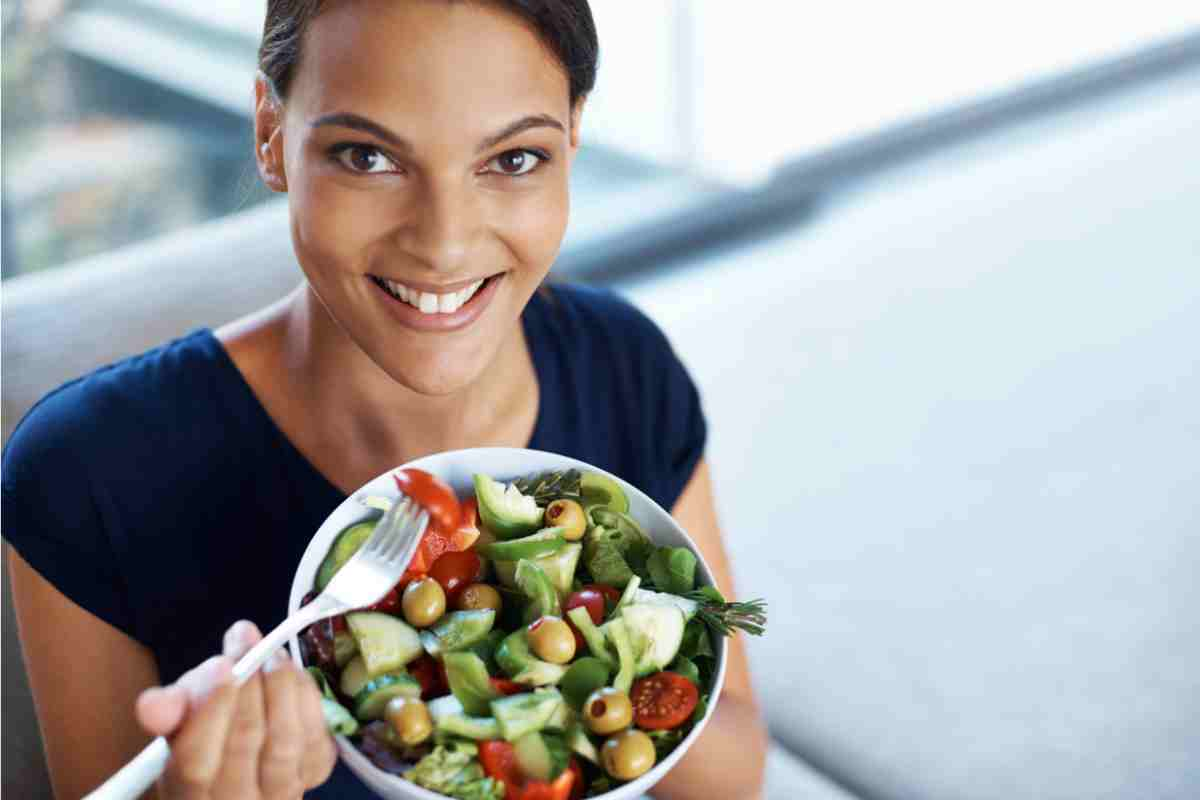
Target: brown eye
<point>515,162</point>
<point>361,158</point>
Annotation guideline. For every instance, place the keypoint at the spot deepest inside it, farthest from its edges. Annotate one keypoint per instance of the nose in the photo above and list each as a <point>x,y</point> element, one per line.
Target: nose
<point>443,226</point>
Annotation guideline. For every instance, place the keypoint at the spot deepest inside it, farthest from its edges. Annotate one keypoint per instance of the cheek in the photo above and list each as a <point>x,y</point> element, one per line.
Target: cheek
<point>534,226</point>
<point>333,226</point>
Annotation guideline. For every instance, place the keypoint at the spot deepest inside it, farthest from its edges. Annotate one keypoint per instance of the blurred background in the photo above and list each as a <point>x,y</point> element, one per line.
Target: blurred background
<point>935,267</point>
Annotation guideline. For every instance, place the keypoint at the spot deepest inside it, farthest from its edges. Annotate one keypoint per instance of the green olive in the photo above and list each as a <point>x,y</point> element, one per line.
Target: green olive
<point>424,602</point>
<point>567,514</point>
<point>479,596</point>
<point>409,718</point>
<point>607,710</point>
<point>627,754</point>
<point>551,640</point>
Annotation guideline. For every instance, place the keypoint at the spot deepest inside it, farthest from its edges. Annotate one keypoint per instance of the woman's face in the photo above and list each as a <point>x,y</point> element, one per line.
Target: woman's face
<point>427,144</point>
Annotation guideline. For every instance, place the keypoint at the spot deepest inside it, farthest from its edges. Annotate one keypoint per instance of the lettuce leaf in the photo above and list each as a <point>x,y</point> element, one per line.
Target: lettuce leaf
<point>452,771</point>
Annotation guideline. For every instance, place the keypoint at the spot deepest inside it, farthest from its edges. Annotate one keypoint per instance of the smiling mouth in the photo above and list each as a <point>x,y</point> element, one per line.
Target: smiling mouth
<point>429,303</point>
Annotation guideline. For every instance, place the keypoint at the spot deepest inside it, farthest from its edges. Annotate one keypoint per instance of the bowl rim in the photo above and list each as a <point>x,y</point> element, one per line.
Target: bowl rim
<point>394,785</point>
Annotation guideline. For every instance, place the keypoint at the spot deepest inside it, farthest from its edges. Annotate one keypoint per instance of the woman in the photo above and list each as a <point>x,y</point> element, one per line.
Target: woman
<point>424,147</point>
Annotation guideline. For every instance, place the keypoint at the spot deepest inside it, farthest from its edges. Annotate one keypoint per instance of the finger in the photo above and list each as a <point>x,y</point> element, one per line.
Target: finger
<point>199,682</point>
<point>283,751</point>
<point>197,748</point>
<point>320,752</point>
<point>247,730</point>
<point>161,709</point>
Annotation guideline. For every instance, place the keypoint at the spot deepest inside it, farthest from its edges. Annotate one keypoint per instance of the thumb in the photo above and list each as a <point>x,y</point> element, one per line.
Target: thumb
<point>161,709</point>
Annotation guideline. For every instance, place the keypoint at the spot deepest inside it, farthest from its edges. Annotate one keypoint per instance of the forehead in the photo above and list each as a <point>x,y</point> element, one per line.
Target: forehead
<point>427,64</point>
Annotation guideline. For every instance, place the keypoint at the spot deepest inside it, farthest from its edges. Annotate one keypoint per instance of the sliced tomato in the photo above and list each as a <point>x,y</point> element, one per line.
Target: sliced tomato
<point>456,571</point>
<point>505,686</point>
<point>663,700</point>
<point>432,494</point>
<point>467,533</point>
<point>499,761</point>
<point>431,675</point>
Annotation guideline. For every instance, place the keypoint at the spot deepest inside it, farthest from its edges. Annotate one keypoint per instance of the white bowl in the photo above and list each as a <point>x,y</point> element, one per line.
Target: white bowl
<point>504,464</point>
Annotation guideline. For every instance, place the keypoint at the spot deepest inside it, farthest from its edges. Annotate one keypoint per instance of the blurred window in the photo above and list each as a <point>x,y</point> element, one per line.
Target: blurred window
<point>127,119</point>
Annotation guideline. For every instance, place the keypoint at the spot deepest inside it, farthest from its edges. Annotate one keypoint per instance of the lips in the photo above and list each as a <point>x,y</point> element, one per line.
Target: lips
<point>437,321</point>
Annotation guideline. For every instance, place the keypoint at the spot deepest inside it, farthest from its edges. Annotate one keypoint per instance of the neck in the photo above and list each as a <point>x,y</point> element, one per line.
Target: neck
<point>379,422</point>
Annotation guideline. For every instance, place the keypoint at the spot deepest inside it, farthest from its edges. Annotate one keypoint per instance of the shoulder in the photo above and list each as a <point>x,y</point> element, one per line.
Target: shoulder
<point>99,409</point>
<point>605,318</point>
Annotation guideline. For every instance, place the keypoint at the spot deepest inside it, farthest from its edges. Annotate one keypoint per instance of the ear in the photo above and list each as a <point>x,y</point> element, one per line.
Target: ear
<point>268,135</point>
<point>576,121</point>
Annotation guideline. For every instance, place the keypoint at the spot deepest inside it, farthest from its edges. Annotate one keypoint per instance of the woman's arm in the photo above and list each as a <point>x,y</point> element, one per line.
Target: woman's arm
<point>85,676</point>
<point>708,769</point>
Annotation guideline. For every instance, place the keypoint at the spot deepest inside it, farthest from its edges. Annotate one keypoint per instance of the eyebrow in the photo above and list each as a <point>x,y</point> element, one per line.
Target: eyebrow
<point>346,119</point>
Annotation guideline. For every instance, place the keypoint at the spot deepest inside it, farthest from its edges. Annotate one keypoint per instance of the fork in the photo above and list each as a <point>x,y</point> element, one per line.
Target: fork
<point>363,580</point>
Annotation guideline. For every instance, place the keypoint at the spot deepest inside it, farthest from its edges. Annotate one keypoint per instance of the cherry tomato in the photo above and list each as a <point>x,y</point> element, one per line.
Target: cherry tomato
<point>505,686</point>
<point>612,595</point>
<point>663,700</point>
<point>433,495</point>
<point>456,571</point>
<point>431,675</point>
<point>590,599</point>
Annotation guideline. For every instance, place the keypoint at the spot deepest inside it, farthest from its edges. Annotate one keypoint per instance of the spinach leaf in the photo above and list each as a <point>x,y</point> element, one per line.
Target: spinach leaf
<point>673,569</point>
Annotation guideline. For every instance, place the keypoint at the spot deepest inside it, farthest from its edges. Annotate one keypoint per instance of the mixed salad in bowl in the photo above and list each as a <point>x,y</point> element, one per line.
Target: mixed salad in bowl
<point>540,646</point>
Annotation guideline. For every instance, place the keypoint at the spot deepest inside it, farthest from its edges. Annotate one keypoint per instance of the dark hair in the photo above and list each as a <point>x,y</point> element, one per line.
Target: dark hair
<point>565,26</point>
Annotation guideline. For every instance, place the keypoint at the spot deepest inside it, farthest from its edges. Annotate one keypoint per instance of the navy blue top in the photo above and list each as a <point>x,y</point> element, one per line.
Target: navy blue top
<point>158,494</point>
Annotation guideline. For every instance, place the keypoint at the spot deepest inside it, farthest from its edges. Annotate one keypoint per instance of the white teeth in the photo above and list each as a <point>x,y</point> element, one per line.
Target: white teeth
<point>432,303</point>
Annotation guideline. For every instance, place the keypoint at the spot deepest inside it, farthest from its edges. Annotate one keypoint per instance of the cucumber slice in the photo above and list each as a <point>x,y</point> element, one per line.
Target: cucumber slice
<point>541,756</point>
<point>520,714</point>
<point>647,597</point>
<point>601,490</point>
<point>656,631</point>
<point>373,698</point>
<point>385,643</point>
<point>449,717</point>
<point>504,510</point>
<point>354,677</point>
<point>545,541</point>
<point>522,666</point>
<point>345,545</point>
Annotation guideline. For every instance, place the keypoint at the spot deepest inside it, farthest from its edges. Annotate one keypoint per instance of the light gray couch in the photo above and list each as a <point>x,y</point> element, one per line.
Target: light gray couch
<point>956,445</point>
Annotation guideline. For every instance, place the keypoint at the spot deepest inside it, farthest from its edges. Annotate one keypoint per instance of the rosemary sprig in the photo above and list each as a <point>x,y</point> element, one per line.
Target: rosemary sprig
<point>722,618</point>
<point>550,486</point>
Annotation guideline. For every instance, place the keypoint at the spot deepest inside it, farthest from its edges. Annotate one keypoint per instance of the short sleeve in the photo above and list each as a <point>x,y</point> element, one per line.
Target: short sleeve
<point>683,425</point>
<point>49,511</point>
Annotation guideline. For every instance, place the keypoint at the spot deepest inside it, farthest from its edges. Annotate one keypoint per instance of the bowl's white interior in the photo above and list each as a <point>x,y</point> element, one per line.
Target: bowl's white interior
<point>457,467</point>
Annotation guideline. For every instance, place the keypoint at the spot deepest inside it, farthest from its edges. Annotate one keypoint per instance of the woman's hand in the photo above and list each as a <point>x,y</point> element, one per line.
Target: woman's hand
<point>266,739</point>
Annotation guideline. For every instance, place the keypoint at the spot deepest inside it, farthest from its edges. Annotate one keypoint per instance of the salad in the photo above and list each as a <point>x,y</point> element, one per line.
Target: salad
<point>539,647</point>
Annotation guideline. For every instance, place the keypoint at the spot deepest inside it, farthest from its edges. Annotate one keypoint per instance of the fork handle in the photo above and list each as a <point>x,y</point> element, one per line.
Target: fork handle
<point>133,779</point>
